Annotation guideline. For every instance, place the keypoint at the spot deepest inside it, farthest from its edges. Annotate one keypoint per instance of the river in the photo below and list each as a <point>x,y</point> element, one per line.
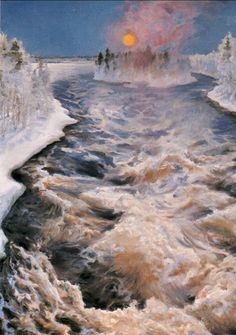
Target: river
<point>127,225</point>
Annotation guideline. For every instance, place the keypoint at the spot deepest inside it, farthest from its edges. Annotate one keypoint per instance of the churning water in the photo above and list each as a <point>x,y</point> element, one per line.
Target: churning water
<point>128,224</point>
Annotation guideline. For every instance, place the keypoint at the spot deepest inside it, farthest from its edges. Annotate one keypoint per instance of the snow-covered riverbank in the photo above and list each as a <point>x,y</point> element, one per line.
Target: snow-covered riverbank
<point>30,118</point>
<point>17,149</point>
<point>220,64</point>
<point>224,95</point>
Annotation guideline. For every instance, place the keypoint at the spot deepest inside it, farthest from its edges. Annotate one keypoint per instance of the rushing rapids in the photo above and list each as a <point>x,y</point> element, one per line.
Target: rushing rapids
<point>127,225</point>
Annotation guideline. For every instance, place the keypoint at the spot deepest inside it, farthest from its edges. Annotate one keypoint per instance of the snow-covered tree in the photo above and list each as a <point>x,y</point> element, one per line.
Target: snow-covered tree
<point>24,92</point>
<point>3,43</point>
<point>226,47</point>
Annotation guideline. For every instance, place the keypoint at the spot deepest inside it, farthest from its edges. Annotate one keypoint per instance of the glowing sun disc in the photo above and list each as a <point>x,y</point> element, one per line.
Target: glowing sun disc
<point>129,39</point>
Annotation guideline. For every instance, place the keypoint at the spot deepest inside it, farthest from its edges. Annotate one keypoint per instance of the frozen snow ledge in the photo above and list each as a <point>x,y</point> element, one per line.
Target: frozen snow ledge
<point>225,96</point>
<point>15,150</point>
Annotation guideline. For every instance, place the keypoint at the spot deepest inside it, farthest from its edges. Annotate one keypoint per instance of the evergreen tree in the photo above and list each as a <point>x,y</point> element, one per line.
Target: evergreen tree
<point>166,56</point>
<point>108,54</point>
<point>227,45</point>
<point>100,58</point>
<point>112,56</point>
<point>225,48</point>
<point>19,62</point>
<point>16,55</point>
<point>15,46</point>
<point>113,61</point>
<point>107,58</point>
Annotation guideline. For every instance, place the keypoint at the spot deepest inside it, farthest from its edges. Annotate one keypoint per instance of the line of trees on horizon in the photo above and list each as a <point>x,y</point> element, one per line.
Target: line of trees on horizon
<point>140,58</point>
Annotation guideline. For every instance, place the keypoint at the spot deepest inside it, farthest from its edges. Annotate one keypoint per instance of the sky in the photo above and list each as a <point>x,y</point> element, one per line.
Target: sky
<point>79,28</point>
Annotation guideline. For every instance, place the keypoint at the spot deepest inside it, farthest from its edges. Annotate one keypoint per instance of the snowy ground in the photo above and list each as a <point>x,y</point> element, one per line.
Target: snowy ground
<point>224,95</point>
<point>65,70</point>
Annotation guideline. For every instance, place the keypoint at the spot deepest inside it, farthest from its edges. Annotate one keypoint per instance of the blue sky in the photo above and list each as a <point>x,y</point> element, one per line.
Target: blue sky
<point>70,28</point>
<point>64,28</point>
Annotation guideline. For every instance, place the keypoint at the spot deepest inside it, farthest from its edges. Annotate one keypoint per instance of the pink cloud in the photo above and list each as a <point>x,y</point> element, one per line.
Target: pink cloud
<point>160,24</point>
